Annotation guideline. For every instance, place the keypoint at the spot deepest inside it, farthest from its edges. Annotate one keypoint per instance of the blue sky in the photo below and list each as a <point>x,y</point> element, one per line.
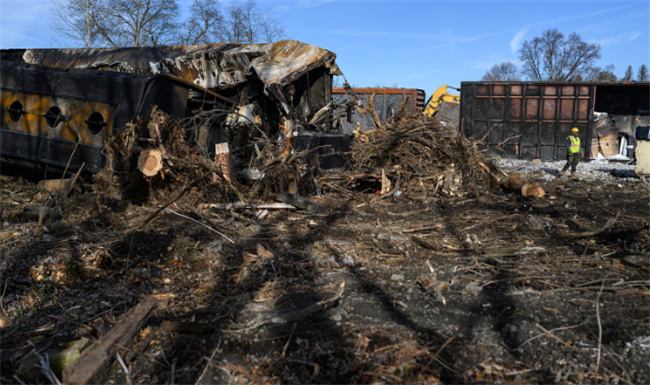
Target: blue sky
<point>414,44</point>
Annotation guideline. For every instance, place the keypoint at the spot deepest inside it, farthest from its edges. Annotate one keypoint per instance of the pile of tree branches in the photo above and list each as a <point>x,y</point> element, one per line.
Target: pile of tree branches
<point>158,153</point>
<point>278,167</point>
<point>420,153</point>
<point>176,158</point>
<point>410,153</point>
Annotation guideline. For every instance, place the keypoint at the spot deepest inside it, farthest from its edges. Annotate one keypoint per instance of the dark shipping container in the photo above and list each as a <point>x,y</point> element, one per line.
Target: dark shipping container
<point>533,119</point>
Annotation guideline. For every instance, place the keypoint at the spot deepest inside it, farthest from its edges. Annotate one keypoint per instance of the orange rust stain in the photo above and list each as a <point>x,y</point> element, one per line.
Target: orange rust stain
<point>76,112</point>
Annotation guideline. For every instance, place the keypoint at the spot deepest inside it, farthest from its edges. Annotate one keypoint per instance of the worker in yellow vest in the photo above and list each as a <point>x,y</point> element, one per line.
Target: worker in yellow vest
<point>572,152</point>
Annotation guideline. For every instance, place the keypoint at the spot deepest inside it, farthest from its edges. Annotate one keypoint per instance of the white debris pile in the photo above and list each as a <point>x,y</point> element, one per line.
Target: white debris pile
<point>640,342</point>
<point>600,169</point>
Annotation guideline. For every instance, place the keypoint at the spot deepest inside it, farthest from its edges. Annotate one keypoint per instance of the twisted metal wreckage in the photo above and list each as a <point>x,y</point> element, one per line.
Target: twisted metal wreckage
<point>59,106</point>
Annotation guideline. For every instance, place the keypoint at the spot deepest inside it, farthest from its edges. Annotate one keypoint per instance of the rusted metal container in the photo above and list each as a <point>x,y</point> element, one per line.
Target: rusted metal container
<point>533,119</point>
<point>387,103</point>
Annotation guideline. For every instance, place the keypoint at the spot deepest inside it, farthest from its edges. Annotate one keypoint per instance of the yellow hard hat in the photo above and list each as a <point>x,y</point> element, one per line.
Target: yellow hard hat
<point>574,129</point>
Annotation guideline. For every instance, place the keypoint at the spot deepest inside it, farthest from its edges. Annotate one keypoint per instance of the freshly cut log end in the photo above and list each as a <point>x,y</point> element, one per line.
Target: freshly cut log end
<point>150,162</point>
<point>222,158</point>
<point>532,190</point>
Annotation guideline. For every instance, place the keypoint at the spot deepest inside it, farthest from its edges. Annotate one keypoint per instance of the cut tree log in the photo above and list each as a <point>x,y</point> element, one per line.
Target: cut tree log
<point>94,363</point>
<point>385,183</point>
<point>55,185</point>
<point>150,162</point>
<point>222,158</point>
<point>532,190</point>
<point>514,184</point>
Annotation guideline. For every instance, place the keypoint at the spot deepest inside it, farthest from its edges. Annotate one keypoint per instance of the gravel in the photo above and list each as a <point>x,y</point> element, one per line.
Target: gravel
<point>613,171</point>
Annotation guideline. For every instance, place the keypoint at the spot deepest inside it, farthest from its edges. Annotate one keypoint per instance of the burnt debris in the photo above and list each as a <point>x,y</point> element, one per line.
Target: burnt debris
<point>61,105</point>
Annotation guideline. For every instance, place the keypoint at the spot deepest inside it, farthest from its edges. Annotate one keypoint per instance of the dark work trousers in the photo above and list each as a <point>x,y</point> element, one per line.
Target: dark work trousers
<point>572,160</point>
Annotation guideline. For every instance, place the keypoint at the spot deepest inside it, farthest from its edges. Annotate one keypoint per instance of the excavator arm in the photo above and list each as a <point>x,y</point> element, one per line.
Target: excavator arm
<point>438,97</point>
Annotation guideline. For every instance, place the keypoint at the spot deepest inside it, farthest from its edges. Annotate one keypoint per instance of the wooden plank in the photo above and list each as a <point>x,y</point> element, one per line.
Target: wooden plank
<point>94,363</point>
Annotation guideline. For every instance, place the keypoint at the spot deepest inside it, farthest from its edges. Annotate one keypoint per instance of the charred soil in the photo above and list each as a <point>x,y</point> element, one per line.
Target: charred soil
<point>443,283</point>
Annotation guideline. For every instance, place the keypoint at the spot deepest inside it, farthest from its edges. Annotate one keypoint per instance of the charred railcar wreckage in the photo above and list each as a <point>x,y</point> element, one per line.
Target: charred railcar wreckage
<point>60,105</point>
<point>386,103</point>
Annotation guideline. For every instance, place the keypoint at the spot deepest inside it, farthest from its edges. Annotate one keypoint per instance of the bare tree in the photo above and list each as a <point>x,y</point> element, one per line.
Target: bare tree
<point>606,74</point>
<point>554,57</point>
<point>75,20</point>
<point>271,28</point>
<point>138,23</point>
<point>203,25</point>
<point>233,30</point>
<point>239,27</point>
<point>506,71</point>
<point>116,23</point>
<point>629,74</point>
<point>643,75</point>
<point>246,23</point>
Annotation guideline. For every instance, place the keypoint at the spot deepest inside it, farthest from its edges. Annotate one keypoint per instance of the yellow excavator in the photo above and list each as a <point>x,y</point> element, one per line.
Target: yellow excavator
<point>443,105</point>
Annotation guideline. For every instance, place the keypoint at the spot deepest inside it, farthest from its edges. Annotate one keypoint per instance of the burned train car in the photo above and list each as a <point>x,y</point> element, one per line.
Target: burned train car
<point>533,119</point>
<point>54,99</point>
<point>60,118</point>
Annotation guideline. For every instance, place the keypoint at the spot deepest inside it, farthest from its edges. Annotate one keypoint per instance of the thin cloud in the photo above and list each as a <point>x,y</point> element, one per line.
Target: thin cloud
<point>539,23</point>
<point>614,40</point>
<point>516,40</point>
<point>452,41</point>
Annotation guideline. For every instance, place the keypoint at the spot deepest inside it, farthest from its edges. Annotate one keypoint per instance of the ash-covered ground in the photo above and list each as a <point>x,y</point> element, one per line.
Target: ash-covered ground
<point>442,279</point>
